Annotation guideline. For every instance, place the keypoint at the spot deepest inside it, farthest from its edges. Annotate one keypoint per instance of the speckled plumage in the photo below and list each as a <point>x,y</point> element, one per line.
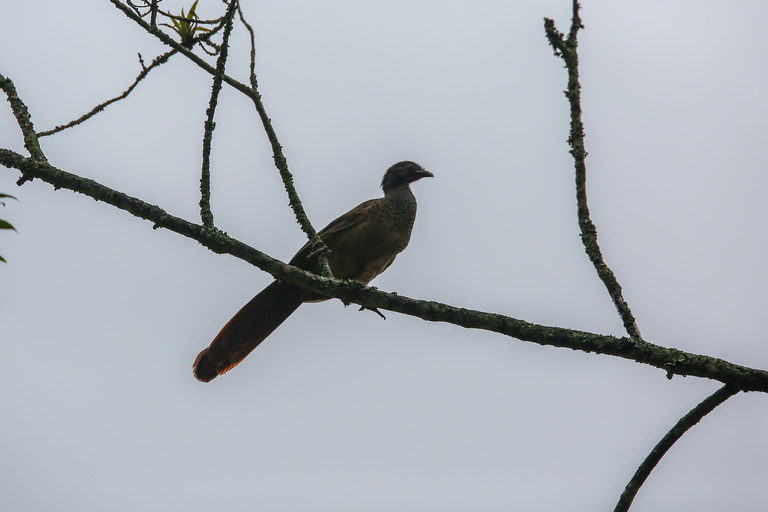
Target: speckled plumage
<point>363,243</point>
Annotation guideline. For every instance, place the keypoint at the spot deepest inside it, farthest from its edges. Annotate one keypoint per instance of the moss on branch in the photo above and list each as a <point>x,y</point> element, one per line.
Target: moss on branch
<point>672,361</point>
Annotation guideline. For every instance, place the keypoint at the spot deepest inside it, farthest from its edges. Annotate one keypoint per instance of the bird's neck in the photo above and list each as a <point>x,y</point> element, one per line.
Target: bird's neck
<point>399,205</point>
<point>401,196</point>
<point>399,191</point>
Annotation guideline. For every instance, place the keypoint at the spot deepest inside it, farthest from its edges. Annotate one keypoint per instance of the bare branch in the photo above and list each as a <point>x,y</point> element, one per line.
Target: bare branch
<point>160,59</point>
<point>282,164</point>
<point>566,49</point>
<point>248,26</point>
<point>686,422</point>
<point>21,114</point>
<point>153,10</point>
<point>252,92</point>
<point>205,178</point>
<point>151,7</point>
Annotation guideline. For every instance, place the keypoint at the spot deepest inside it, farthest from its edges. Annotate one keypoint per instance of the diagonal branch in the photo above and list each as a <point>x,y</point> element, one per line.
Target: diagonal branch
<point>565,48</point>
<point>282,164</point>
<point>169,41</point>
<point>205,176</point>
<point>252,74</point>
<point>159,60</point>
<point>686,422</point>
<point>253,93</point>
<point>671,360</point>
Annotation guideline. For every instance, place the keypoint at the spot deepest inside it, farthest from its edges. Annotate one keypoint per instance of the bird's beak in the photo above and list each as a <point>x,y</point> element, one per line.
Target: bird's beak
<point>422,173</point>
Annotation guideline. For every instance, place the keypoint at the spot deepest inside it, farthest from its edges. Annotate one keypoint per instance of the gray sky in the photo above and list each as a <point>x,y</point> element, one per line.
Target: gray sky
<point>101,316</point>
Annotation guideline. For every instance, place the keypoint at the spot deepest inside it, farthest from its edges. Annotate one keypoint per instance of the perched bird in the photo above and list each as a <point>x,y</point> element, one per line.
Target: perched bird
<point>362,243</point>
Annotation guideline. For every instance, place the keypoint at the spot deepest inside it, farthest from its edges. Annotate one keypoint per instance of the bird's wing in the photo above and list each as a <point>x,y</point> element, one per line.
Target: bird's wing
<point>335,229</point>
<point>350,219</point>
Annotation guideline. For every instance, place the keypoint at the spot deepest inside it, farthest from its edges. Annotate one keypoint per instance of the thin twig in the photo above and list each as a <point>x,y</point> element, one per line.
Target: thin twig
<point>153,10</point>
<point>253,94</point>
<point>566,49</point>
<point>668,359</point>
<point>147,5</point>
<point>682,426</point>
<point>282,164</point>
<point>169,41</point>
<point>248,26</point>
<point>214,47</point>
<point>205,177</point>
<point>191,20</point>
<point>159,60</point>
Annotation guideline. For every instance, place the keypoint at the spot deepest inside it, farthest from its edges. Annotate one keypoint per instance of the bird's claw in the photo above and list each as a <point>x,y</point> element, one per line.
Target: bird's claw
<point>318,248</point>
<point>375,310</point>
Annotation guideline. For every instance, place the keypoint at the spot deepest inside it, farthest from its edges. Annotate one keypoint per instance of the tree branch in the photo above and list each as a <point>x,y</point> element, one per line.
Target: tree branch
<point>282,165</point>
<point>566,49</point>
<point>205,176</point>
<point>253,93</point>
<point>153,11</point>
<point>686,422</point>
<point>20,112</point>
<point>671,360</point>
<point>160,59</point>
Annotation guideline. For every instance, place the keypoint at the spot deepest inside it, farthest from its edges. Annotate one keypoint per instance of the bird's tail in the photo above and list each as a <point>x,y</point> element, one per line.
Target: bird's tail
<point>249,327</point>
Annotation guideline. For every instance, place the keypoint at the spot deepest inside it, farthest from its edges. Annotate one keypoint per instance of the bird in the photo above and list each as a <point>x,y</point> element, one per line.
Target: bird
<point>361,244</point>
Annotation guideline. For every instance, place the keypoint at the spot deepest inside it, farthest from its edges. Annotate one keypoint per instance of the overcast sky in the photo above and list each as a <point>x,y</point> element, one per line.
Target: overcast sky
<point>101,316</point>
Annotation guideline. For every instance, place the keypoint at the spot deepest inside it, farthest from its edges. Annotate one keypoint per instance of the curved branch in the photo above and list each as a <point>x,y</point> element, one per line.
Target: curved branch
<point>671,360</point>
<point>160,59</point>
<point>686,422</point>
<point>565,48</point>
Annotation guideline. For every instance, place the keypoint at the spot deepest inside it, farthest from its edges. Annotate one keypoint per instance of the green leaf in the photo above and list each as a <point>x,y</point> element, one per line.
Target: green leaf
<point>4,196</point>
<point>6,225</point>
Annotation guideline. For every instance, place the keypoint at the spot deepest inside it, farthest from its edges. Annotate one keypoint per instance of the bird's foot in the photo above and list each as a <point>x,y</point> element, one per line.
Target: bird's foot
<point>318,248</point>
<point>375,310</point>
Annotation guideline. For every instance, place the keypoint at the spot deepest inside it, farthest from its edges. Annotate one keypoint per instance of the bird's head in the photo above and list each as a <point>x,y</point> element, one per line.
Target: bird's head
<point>403,173</point>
